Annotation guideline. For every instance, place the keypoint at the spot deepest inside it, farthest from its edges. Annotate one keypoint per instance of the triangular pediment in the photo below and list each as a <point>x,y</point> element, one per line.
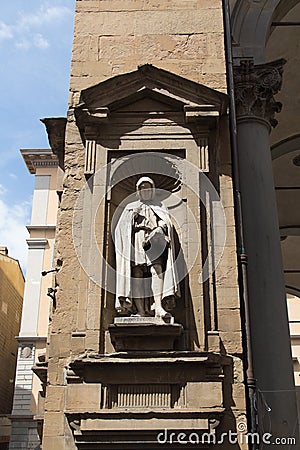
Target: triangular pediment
<point>150,105</point>
<point>153,83</point>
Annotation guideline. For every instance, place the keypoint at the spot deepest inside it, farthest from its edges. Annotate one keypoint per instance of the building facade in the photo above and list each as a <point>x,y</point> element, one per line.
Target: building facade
<point>11,299</point>
<point>188,93</point>
<point>27,411</point>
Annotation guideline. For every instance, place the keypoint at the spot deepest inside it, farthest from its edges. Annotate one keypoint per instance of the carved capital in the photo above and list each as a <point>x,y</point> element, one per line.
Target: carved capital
<point>255,87</point>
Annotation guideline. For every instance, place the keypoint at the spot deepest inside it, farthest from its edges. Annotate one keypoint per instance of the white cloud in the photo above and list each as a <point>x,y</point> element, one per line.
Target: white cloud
<point>6,31</point>
<point>37,40</point>
<point>13,234</point>
<point>43,16</point>
<point>28,28</point>
<point>23,44</point>
<point>40,42</point>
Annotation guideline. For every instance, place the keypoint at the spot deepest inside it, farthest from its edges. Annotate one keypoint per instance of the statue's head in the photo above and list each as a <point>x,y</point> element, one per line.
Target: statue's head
<point>145,188</point>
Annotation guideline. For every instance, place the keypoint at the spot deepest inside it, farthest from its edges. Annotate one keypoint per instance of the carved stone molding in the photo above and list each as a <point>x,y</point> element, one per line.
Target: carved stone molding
<point>90,157</point>
<point>255,87</point>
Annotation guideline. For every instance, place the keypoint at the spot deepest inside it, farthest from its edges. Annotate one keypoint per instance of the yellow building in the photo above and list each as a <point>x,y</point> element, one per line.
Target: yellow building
<point>11,299</point>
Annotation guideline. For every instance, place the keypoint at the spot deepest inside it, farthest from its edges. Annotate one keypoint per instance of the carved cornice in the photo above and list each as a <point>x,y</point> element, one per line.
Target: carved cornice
<point>255,87</point>
<point>36,243</point>
<point>114,92</point>
<point>36,158</point>
<point>98,103</point>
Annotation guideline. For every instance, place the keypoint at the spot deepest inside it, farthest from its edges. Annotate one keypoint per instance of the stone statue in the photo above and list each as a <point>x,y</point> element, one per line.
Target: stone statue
<point>146,273</point>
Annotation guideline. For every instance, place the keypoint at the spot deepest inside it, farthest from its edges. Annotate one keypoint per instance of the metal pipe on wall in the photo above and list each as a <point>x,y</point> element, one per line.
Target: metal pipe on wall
<point>242,255</point>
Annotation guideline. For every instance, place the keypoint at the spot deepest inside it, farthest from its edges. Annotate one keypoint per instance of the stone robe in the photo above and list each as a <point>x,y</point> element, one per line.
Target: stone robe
<point>125,257</point>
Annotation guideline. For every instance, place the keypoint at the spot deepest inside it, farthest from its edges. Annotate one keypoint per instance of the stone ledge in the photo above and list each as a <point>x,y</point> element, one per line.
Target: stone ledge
<point>97,431</point>
<point>108,413</point>
<point>155,357</point>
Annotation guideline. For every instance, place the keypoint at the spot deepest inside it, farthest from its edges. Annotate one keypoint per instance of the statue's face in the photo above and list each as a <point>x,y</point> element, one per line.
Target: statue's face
<point>146,191</point>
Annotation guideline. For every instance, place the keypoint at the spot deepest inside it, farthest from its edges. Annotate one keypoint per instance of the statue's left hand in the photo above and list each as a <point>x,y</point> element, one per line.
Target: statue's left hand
<point>146,245</point>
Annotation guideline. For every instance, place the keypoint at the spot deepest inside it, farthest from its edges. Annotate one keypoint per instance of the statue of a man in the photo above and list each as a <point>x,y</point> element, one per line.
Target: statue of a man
<point>145,255</point>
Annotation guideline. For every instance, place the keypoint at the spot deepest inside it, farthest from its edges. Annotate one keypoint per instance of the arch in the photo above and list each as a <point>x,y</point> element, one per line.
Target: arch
<point>293,291</point>
<point>251,25</point>
<point>289,231</point>
<point>283,7</point>
<point>288,145</point>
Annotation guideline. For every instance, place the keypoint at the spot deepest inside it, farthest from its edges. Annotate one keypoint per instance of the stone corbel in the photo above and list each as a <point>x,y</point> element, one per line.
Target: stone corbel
<point>204,113</point>
<point>56,130</point>
<point>88,121</point>
<point>73,377</point>
<point>88,116</point>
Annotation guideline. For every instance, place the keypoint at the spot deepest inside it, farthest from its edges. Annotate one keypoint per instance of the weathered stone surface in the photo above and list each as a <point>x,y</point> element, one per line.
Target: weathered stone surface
<point>54,424</point>
<point>83,397</point>
<point>204,395</point>
<point>56,371</point>
<point>113,37</point>
<point>60,344</point>
<point>53,443</point>
<point>92,340</point>
<point>232,342</point>
<point>226,271</point>
<point>149,22</point>
<point>229,320</point>
<point>55,399</point>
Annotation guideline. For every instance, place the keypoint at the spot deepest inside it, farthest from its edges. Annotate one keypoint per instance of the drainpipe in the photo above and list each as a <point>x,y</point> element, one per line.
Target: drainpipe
<point>242,255</point>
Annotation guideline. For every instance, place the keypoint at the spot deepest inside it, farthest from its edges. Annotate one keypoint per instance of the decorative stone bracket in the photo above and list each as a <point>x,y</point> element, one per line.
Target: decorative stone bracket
<point>88,120</point>
<point>90,157</point>
<point>208,113</point>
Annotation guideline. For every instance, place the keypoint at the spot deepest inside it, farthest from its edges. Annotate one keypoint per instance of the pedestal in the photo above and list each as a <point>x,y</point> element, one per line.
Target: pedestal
<point>143,333</point>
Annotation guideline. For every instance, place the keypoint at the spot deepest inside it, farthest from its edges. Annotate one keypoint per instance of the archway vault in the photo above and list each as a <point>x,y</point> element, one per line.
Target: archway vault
<point>251,22</point>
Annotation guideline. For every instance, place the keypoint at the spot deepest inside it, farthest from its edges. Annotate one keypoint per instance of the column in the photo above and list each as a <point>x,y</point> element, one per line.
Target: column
<point>255,87</point>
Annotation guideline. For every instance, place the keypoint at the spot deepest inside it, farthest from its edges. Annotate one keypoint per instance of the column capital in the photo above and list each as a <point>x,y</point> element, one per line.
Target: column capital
<point>255,87</point>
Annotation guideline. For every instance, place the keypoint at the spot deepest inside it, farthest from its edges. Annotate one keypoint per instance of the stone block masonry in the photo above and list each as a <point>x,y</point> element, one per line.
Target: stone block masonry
<point>24,432</point>
<point>22,398</point>
<point>114,37</point>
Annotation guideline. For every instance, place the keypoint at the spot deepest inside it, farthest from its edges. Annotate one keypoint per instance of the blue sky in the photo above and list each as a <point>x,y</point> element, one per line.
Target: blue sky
<point>35,46</point>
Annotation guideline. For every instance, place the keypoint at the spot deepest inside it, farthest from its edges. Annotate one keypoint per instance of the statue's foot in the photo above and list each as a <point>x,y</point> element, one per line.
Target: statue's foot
<point>162,314</point>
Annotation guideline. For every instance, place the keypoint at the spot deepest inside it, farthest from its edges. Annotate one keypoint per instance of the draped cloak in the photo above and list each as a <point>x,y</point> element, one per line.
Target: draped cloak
<point>123,249</point>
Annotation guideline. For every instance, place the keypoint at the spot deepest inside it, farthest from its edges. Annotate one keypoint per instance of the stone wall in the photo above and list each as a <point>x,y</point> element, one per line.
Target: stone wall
<point>115,36</point>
